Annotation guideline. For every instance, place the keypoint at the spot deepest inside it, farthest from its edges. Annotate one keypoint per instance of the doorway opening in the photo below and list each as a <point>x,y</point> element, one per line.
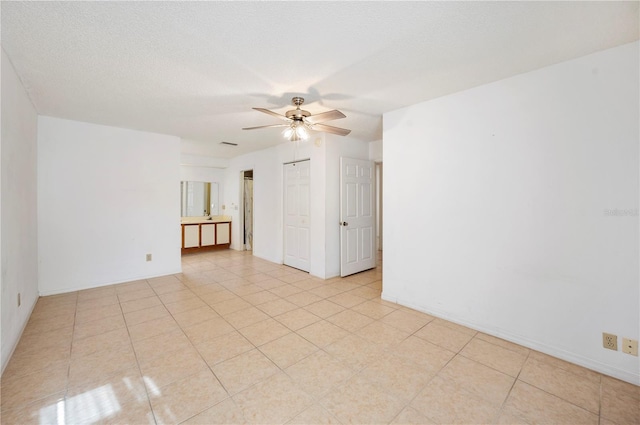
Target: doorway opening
<point>246,209</point>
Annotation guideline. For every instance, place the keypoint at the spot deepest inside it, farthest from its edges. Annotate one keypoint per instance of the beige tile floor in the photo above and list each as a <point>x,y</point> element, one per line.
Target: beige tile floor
<point>236,339</point>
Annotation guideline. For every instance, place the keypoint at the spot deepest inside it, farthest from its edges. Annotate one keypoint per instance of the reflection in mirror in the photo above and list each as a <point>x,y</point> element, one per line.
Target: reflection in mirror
<point>198,199</point>
<point>213,203</point>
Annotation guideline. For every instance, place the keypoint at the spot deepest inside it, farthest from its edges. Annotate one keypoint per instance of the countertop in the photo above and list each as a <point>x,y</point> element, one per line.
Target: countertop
<point>213,219</point>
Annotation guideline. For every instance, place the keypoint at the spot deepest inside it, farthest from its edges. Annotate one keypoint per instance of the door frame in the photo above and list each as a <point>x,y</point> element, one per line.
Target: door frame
<point>379,217</point>
<point>241,213</point>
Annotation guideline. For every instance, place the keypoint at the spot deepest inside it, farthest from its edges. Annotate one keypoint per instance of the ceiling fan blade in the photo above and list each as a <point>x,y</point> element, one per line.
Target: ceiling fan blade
<point>266,126</point>
<point>275,114</point>
<point>325,116</point>
<point>331,129</point>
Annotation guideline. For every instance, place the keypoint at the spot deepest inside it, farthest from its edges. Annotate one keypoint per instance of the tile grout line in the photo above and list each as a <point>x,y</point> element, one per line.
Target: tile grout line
<point>73,331</point>
<point>313,397</point>
<point>240,266</point>
<point>194,347</point>
<point>230,396</point>
<point>517,378</point>
<point>135,354</point>
<point>434,375</point>
<point>556,395</point>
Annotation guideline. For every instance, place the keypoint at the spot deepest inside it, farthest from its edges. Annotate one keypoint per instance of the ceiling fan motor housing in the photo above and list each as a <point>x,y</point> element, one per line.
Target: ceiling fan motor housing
<point>297,114</point>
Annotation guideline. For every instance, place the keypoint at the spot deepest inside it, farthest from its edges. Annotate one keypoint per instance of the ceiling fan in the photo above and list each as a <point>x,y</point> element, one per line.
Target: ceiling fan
<point>299,121</point>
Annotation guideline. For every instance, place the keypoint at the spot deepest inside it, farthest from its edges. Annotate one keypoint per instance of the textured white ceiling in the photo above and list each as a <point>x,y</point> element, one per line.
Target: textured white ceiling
<point>195,69</point>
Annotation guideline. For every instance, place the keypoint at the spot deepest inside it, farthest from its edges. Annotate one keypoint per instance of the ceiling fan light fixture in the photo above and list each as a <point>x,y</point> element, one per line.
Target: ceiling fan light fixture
<point>288,132</point>
<point>301,132</point>
<point>296,131</point>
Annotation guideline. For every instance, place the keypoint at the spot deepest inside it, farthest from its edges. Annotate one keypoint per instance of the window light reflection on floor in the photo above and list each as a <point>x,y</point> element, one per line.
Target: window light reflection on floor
<point>88,407</point>
<point>153,389</point>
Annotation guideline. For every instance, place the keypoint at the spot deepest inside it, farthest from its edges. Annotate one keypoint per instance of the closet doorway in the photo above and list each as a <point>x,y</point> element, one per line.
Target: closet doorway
<point>246,182</point>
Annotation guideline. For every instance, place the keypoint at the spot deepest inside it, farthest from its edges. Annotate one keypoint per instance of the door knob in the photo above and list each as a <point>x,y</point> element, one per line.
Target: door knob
<point>344,223</point>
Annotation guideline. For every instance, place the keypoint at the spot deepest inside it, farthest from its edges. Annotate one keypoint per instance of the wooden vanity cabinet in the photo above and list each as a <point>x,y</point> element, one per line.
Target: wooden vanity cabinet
<point>205,236</point>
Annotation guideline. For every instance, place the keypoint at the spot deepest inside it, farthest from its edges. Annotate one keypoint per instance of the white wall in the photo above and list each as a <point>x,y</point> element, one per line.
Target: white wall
<point>499,198</point>
<point>324,151</point>
<point>18,205</point>
<point>263,208</point>
<point>267,166</point>
<point>202,174</point>
<point>317,150</point>
<point>106,197</point>
<point>375,151</point>
<point>200,160</point>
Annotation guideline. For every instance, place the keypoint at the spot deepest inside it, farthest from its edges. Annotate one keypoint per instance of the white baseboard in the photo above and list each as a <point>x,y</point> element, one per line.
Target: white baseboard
<point>624,375</point>
<point>101,284</point>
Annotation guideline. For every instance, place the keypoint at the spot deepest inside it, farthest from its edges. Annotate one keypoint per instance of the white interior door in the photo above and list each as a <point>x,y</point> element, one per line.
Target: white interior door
<point>296,215</point>
<point>357,216</point>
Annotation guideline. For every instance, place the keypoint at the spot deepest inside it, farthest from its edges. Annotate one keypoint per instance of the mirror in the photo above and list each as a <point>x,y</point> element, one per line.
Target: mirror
<point>198,199</point>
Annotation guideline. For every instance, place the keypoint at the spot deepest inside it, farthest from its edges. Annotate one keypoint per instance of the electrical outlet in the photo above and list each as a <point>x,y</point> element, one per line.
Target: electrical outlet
<point>610,341</point>
<point>630,346</point>
<point>21,303</point>
<point>149,257</point>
